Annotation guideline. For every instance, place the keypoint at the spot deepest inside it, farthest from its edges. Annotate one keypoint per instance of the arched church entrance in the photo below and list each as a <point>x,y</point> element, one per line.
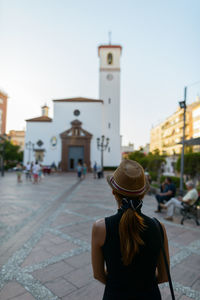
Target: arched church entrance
<point>75,147</point>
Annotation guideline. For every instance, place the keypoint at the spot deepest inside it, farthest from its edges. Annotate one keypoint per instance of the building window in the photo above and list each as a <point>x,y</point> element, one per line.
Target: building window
<point>109,125</point>
<point>108,149</point>
<point>109,58</point>
<point>109,100</point>
<point>77,112</point>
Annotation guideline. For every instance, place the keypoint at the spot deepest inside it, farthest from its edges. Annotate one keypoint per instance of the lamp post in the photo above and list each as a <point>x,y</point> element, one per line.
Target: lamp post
<point>102,145</point>
<point>3,138</point>
<point>183,105</point>
<point>29,147</point>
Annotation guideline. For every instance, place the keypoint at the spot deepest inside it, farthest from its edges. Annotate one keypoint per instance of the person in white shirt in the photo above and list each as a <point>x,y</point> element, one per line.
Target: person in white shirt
<point>189,198</point>
<point>36,169</point>
<point>28,171</point>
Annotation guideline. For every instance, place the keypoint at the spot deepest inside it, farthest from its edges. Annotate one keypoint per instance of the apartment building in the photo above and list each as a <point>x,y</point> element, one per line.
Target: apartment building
<point>3,111</point>
<point>166,136</point>
<point>17,137</point>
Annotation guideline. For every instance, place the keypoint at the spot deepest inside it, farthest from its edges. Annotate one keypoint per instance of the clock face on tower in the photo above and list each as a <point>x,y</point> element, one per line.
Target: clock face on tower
<point>109,77</point>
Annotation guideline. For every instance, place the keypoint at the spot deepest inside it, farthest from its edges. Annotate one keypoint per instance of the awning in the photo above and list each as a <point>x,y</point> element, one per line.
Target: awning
<point>191,142</point>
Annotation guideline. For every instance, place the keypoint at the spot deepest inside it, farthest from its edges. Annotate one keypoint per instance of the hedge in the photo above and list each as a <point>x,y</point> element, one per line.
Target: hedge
<point>175,180</point>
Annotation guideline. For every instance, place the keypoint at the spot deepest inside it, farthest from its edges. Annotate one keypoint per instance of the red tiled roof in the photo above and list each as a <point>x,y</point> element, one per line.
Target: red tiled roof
<point>78,99</point>
<point>40,119</point>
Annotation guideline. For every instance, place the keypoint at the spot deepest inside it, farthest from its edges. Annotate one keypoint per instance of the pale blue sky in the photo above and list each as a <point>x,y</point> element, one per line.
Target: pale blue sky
<point>48,50</point>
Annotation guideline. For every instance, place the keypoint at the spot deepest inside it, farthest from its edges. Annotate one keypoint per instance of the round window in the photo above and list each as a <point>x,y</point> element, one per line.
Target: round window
<point>109,77</point>
<point>77,112</point>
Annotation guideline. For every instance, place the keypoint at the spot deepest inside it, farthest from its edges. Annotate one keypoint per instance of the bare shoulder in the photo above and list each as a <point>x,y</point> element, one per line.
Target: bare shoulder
<point>99,225</point>
<point>99,231</point>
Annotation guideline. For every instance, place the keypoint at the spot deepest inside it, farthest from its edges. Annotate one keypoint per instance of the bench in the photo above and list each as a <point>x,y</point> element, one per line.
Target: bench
<point>191,211</point>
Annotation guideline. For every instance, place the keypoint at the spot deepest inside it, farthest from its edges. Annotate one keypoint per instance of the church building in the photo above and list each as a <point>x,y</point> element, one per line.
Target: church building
<point>71,135</point>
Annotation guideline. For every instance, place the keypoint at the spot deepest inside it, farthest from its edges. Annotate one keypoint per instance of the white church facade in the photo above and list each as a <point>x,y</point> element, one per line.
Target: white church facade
<point>71,135</point>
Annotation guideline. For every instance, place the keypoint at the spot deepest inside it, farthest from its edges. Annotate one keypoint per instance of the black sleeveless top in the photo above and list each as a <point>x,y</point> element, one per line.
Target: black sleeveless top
<point>136,281</point>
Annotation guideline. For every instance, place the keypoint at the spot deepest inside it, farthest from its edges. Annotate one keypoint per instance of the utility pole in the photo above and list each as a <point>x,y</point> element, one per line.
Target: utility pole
<point>183,105</point>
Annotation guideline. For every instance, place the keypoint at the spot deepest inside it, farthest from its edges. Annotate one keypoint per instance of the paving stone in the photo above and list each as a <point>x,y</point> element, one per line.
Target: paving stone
<point>173,250</point>
<point>182,274</point>
<point>193,262</point>
<point>11,290</point>
<point>92,291</point>
<point>80,260</point>
<point>25,296</point>
<point>60,287</point>
<point>184,298</point>
<point>166,294</point>
<point>61,248</point>
<point>196,285</point>
<point>36,256</point>
<point>52,271</point>
<point>80,277</point>
<point>185,238</point>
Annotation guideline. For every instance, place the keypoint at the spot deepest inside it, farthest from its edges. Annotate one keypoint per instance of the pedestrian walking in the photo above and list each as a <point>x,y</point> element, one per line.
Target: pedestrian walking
<point>19,170</point>
<point>79,170</point>
<point>84,170</point>
<point>28,171</point>
<point>40,173</point>
<point>99,171</point>
<point>129,242</point>
<point>35,171</point>
<point>95,170</point>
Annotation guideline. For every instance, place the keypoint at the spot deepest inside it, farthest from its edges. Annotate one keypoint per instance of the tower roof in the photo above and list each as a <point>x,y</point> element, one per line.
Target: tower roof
<point>109,46</point>
<point>40,119</point>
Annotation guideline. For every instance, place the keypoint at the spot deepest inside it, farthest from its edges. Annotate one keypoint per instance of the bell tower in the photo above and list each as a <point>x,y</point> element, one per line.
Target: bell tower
<point>109,92</point>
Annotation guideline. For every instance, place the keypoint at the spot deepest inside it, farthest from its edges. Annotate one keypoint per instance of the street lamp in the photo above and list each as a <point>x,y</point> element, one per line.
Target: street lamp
<point>3,138</point>
<point>29,147</point>
<point>102,145</point>
<point>183,106</point>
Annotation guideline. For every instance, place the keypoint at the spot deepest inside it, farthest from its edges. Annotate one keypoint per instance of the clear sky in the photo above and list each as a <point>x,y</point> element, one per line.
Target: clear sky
<point>48,50</point>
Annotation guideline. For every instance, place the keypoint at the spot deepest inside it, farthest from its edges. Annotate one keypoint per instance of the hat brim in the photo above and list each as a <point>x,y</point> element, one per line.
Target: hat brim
<point>127,193</point>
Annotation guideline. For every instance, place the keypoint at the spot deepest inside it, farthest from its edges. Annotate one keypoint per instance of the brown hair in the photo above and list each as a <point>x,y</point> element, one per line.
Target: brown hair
<point>130,227</point>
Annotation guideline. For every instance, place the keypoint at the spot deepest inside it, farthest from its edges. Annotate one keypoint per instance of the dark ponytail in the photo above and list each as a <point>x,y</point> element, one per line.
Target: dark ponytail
<point>130,227</point>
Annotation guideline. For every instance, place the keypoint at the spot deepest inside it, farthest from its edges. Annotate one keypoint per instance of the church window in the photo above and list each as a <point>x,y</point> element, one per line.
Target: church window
<point>109,125</point>
<point>40,143</point>
<point>76,112</point>
<point>109,100</point>
<point>109,58</point>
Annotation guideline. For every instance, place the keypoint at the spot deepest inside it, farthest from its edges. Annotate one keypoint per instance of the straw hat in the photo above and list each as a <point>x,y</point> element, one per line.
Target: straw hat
<point>129,179</point>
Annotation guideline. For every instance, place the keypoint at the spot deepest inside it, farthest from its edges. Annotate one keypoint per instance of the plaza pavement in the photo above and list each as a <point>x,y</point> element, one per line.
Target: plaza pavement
<point>45,233</point>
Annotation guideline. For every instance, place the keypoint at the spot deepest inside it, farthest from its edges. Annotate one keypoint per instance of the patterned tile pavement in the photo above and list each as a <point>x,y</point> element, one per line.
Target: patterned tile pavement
<point>45,233</point>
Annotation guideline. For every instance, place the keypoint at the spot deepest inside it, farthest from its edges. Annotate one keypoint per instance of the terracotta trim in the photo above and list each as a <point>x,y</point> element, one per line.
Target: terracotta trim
<point>40,119</point>
<point>108,46</point>
<point>109,69</point>
<point>79,100</point>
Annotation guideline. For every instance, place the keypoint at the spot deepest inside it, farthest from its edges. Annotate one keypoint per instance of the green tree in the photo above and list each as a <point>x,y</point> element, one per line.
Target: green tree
<point>151,162</point>
<point>12,153</point>
<point>191,164</point>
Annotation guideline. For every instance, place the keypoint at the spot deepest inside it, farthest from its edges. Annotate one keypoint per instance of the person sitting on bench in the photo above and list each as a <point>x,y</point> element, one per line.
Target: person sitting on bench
<point>190,198</point>
<point>168,191</point>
